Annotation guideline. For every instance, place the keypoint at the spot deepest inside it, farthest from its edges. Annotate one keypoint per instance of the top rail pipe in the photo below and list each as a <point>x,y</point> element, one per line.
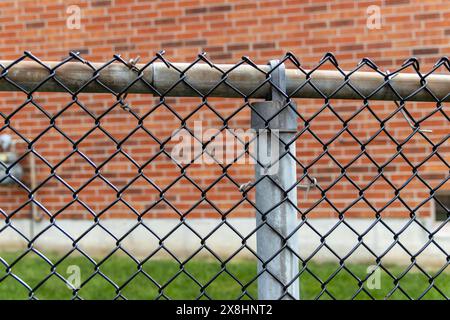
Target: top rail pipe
<point>202,77</point>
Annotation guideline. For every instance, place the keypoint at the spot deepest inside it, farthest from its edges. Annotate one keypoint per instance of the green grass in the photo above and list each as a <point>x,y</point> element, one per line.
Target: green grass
<point>32,270</point>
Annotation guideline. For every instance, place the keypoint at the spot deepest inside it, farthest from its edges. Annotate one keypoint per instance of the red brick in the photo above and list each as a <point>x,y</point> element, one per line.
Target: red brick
<point>262,30</point>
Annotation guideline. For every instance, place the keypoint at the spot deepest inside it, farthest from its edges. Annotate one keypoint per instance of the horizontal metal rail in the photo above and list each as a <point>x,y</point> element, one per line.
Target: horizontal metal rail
<point>244,80</point>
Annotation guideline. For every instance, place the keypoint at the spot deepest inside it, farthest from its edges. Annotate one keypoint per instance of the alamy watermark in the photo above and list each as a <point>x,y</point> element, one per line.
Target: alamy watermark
<point>73,20</point>
<point>74,278</point>
<point>228,146</point>
<point>374,279</point>
<point>373,17</point>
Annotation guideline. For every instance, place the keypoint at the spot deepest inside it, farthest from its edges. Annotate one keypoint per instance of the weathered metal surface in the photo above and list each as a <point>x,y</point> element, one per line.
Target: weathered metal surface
<point>203,78</point>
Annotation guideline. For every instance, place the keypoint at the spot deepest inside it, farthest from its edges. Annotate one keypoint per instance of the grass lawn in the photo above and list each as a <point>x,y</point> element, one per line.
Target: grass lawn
<point>177,284</point>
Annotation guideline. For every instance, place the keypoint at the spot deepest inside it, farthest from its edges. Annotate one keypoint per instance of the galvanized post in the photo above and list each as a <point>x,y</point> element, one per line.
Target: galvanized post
<point>277,221</point>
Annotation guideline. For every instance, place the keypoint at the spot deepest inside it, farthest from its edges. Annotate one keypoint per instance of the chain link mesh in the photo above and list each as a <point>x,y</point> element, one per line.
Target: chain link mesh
<point>332,136</point>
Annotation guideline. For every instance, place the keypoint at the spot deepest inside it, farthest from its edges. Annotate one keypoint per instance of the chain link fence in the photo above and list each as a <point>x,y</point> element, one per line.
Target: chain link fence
<point>321,169</point>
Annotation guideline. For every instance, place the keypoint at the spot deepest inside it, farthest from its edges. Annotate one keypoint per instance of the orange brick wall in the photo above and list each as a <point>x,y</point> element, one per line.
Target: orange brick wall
<point>226,30</point>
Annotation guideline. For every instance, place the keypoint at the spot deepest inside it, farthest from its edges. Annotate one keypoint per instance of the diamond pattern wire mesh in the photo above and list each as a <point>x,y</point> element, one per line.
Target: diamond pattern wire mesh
<point>413,126</point>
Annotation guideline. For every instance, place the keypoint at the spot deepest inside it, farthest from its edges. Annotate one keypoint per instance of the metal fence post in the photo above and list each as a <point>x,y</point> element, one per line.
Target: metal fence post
<point>279,220</point>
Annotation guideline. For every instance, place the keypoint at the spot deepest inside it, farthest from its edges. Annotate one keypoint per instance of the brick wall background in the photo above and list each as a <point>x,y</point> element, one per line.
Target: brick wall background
<point>226,30</point>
